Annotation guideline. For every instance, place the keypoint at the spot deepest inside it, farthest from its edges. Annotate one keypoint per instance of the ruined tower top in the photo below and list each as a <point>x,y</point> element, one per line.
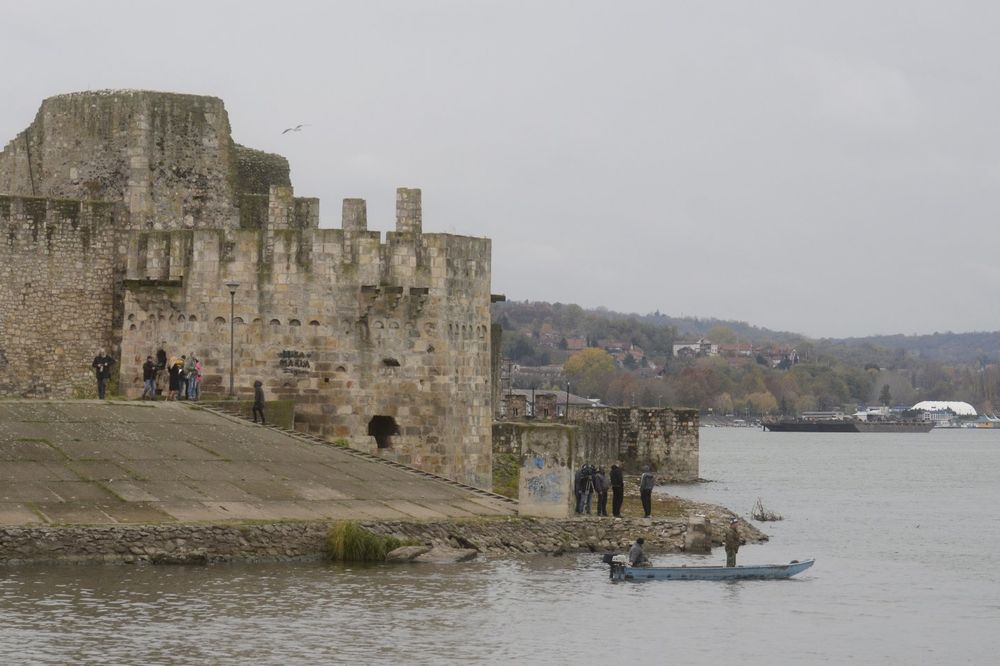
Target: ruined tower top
<point>168,157</point>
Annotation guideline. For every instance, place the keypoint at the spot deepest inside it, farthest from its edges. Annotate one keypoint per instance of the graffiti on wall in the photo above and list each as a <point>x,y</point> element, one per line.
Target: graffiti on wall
<point>294,362</point>
<point>545,487</point>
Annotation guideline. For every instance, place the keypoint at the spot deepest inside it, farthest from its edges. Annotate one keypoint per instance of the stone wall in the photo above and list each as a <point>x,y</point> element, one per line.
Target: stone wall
<point>541,457</point>
<point>375,342</point>
<point>59,273</point>
<point>169,158</point>
<point>663,438</point>
<point>536,457</point>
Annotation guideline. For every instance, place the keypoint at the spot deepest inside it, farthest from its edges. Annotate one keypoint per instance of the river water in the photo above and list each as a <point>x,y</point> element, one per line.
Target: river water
<point>904,529</point>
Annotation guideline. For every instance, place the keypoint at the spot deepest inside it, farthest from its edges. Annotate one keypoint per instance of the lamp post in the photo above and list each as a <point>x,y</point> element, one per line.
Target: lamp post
<point>233,286</point>
<point>567,402</point>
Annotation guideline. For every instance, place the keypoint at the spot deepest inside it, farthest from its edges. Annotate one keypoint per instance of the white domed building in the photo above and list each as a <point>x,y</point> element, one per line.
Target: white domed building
<point>946,413</point>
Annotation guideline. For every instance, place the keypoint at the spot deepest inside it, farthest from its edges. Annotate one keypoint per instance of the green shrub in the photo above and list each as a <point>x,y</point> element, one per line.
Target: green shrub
<point>349,542</point>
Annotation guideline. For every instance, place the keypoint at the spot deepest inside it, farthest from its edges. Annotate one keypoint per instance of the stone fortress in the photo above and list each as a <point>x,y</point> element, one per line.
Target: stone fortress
<point>131,221</point>
<point>124,216</point>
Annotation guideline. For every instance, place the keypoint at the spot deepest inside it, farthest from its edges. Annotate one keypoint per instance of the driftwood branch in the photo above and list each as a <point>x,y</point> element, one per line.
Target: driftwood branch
<point>762,514</point>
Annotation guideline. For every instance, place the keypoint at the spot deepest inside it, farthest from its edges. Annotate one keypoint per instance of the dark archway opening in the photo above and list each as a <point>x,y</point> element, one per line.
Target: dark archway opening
<point>382,428</point>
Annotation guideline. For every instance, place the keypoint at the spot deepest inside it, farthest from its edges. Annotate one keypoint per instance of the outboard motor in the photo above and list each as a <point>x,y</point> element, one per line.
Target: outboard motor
<point>617,564</point>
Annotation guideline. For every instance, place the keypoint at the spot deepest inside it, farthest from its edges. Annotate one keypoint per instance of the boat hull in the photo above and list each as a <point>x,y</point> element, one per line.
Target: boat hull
<point>848,426</point>
<point>752,572</point>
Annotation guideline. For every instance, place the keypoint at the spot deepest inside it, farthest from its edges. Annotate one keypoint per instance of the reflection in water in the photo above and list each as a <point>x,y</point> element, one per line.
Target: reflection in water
<point>902,528</point>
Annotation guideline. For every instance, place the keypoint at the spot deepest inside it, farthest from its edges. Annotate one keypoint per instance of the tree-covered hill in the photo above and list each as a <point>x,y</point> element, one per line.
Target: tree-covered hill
<point>630,361</point>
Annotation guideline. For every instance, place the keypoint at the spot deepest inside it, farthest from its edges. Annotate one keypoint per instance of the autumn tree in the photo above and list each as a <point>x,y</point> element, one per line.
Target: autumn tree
<point>762,403</point>
<point>590,371</point>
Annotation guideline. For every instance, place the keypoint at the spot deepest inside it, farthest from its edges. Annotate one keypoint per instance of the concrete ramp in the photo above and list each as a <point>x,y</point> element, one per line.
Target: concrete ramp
<point>107,462</point>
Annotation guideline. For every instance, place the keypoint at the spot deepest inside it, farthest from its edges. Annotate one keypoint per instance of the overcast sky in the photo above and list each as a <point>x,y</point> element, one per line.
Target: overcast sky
<point>830,168</point>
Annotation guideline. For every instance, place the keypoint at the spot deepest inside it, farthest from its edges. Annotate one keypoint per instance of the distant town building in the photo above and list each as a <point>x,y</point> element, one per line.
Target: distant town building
<point>736,349</point>
<point>700,347</point>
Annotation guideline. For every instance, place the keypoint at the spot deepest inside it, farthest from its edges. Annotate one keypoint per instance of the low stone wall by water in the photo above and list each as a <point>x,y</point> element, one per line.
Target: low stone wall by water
<point>193,544</point>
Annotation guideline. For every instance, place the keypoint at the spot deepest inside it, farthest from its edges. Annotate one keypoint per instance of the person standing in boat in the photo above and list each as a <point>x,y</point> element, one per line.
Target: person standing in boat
<point>636,557</point>
<point>733,541</point>
<point>617,491</point>
<point>646,483</point>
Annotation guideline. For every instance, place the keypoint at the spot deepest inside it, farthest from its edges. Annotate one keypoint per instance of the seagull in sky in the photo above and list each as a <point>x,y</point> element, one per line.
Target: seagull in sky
<point>297,128</point>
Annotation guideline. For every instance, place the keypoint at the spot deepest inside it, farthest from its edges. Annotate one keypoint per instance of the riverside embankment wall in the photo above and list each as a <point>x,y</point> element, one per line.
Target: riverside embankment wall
<point>169,544</point>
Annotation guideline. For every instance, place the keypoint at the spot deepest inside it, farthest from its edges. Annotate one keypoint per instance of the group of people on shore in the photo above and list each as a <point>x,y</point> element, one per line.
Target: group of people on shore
<point>181,376</point>
<point>590,480</point>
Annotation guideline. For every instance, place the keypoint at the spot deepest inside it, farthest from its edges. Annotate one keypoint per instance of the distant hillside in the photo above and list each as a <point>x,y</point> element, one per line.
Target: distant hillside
<point>982,347</point>
<point>627,359</point>
<point>656,332</point>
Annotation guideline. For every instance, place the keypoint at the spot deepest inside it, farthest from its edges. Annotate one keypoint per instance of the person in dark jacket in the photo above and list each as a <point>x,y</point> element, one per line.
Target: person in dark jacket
<point>258,401</point>
<point>149,371</point>
<point>161,371</point>
<point>176,370</point>
<point>601,488</point>
<point>646,483</point>
<point>102,370</point>
<point>733,541</point>
<point>617,491</point>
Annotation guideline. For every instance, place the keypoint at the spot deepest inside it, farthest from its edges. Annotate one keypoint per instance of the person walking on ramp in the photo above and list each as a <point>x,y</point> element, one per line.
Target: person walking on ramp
<point>258,401</point>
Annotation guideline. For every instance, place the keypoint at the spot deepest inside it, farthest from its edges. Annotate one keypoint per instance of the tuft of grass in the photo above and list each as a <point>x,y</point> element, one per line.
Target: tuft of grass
<point>349,542</point>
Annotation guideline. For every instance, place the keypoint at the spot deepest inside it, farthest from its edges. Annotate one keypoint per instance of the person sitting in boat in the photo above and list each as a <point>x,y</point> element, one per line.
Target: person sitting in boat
<point>636,557</point>
<point>733,541</point>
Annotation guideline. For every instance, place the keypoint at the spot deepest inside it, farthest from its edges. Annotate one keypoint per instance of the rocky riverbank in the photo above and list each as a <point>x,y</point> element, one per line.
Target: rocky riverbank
<point>193,544</point>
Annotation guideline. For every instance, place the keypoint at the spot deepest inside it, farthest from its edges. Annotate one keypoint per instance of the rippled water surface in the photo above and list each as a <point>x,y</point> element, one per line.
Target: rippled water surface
<point>904,528</point>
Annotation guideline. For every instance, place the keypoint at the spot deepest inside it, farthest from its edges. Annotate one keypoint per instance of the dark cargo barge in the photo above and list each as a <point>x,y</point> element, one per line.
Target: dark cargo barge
<point>846,425</point>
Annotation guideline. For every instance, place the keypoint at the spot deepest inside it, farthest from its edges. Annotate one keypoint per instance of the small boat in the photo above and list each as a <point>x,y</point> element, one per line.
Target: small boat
<point>622,571</point>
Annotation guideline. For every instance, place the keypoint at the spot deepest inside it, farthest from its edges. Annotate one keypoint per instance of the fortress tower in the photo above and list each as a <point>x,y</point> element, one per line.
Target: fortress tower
<point>125,214</point>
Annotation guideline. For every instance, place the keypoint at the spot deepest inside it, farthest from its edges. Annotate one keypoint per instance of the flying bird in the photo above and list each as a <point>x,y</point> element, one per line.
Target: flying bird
<point>297,128</point>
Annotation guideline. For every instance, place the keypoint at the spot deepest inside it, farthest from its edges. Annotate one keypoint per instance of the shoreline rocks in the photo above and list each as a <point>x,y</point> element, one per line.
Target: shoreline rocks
<point>291,541</point>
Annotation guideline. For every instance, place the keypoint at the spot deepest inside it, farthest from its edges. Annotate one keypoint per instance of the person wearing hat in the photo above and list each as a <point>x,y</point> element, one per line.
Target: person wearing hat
<point>636,557</point>
<point>732,541</point>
